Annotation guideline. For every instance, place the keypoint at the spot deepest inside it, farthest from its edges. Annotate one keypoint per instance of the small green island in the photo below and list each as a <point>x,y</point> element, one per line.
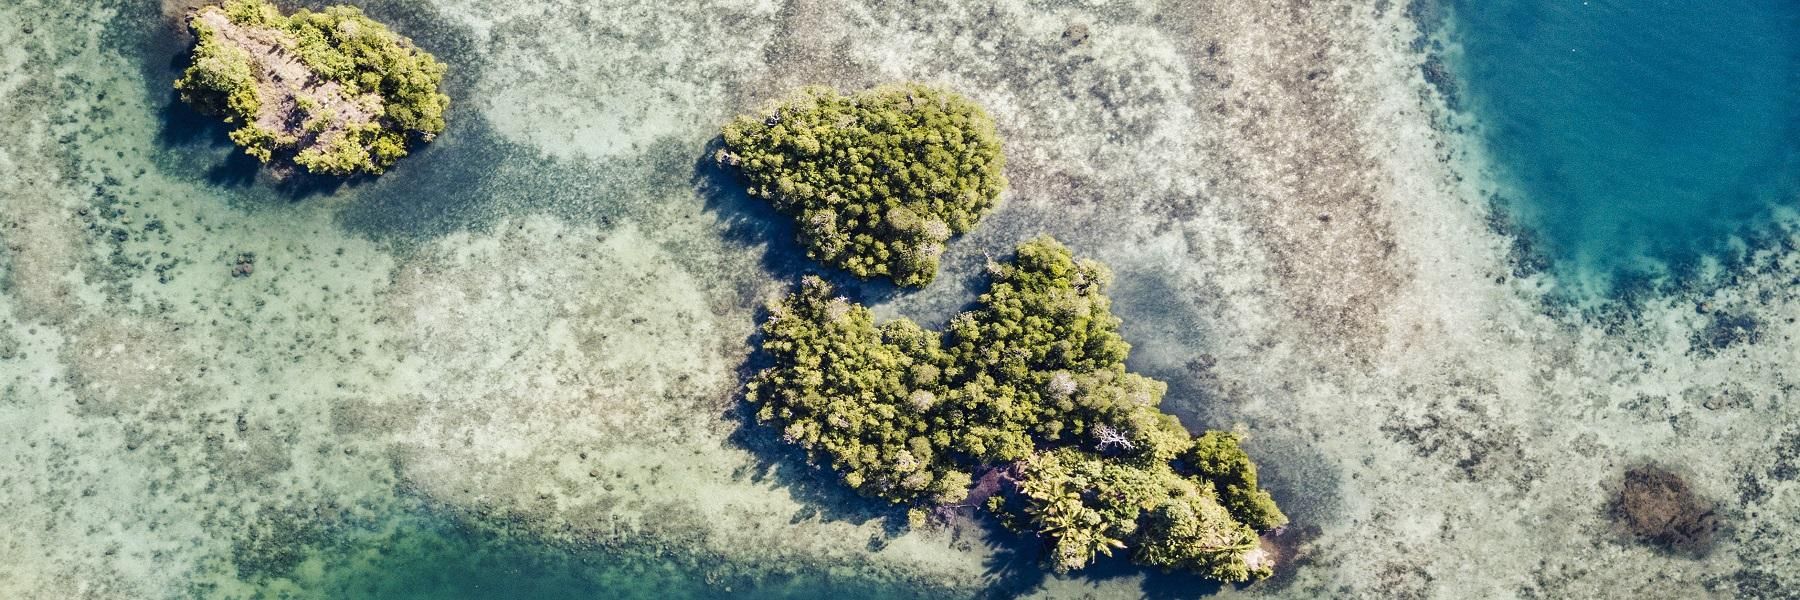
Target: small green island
<point>879,180</point>
<point>1023,406</point>
<point>332,92</point>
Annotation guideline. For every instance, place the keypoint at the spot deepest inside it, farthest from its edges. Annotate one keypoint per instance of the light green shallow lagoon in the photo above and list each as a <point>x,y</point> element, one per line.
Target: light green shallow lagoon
<point>508,368</point>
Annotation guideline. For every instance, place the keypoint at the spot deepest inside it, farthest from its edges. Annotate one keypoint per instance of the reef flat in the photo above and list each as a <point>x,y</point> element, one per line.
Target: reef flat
<point>537,330</point>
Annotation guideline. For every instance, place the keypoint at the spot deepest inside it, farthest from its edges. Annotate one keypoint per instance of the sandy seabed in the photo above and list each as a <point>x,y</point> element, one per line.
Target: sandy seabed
<point>538,324</point>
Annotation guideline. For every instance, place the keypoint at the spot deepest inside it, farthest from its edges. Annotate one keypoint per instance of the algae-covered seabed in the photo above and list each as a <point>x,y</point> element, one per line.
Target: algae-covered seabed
<point>528,336</point>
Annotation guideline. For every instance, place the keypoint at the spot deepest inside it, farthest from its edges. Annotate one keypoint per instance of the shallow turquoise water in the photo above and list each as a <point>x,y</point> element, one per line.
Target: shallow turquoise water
<point>419,554</point>
<point>1635,137</point>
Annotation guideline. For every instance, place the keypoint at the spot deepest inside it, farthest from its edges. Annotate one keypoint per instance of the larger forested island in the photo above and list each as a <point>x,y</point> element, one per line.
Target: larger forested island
<point>1024,407</point>
<point>333,92</point>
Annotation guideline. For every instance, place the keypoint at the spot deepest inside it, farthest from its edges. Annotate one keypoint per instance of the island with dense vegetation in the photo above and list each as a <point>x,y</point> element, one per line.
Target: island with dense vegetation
<point>333,92</point>
<point>1022,406</point>
<point>879,180</point>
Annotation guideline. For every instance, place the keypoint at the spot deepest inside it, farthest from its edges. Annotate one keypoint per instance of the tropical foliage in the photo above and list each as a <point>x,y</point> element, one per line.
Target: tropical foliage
<point>879,180</point>
<point>339,45</point>
<point>1031,382</point>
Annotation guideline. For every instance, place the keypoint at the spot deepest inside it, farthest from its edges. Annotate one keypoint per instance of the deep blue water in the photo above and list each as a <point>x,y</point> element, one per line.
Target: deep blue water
<point>1634,137</point>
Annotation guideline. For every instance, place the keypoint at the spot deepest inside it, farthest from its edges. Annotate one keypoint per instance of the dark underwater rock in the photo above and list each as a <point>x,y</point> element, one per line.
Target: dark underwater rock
<point>1656,506</point>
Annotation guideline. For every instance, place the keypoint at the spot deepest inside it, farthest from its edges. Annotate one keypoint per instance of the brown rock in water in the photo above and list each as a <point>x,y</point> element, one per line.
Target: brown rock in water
<point>1656,506</point>
<point>1285,546</point>
<point>1076,34</point>
<point>245,265</point>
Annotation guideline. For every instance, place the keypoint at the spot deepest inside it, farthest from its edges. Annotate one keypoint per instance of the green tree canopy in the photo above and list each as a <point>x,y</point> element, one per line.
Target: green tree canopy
<point>334,91</point>
<point>1032,380</point>
<point>879,180</point>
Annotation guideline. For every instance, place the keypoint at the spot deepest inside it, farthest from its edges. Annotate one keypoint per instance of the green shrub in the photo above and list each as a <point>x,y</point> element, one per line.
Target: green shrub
<point>340,45</point>
<point>1032,379</point>
<point>221,80</point>
<point>1088,505</point>
<point>343,155</point>
<point>257,142</point>
<point>361,54</point>
<point>1189,530</point>
<point>880,180</point>
<point>1216,457</point>
<point>849,394</point>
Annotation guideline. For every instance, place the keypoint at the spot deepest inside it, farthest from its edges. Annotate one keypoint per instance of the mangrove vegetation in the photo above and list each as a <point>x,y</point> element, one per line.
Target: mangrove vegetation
<point>880,180</point>
<point>333,92</point>
<point>1022,406</point>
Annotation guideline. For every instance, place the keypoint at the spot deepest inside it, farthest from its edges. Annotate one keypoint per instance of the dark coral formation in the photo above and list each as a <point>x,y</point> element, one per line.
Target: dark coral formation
<point>1724,330</point>
<point>1657,506</point>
